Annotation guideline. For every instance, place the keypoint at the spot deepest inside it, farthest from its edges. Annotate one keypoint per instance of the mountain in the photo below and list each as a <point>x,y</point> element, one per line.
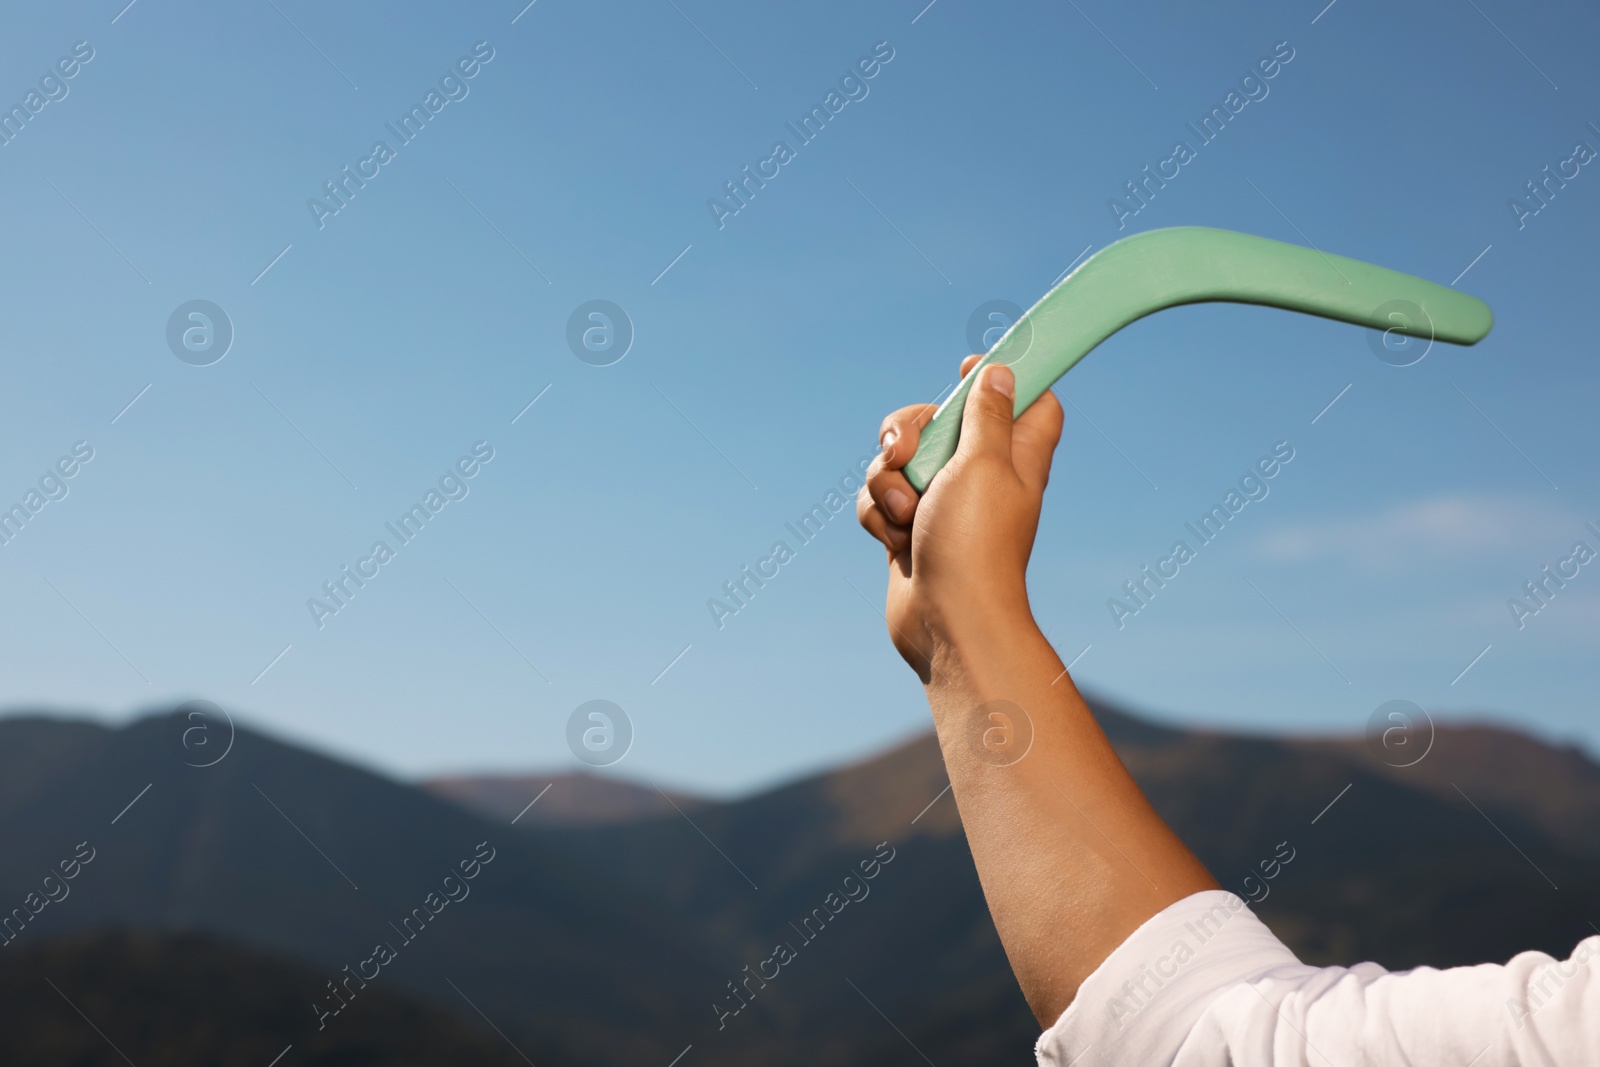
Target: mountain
<point>564,798</point>
<point>621,939</point>
<point>278,849</point>
<point>1455,860</point>
<point>173,1000</point>
<point>1556,787</point>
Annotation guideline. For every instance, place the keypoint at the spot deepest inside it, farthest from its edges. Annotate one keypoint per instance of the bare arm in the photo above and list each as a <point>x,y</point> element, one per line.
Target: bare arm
<point>1071,855</point>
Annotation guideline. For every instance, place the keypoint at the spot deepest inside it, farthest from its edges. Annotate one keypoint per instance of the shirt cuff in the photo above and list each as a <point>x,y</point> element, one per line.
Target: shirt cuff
<point>1142,1001</point>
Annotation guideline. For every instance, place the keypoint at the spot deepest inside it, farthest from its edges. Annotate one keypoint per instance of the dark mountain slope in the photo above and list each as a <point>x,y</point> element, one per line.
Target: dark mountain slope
<point>1554,787</point>
<point>268,847</point>
<point>175,1000</point>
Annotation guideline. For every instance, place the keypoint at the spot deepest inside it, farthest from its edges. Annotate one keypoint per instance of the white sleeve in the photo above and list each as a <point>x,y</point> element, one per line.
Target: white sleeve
<point>1204,983</point>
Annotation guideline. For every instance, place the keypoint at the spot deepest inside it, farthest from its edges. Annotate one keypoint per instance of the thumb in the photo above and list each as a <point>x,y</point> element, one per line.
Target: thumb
<point>986,417</point>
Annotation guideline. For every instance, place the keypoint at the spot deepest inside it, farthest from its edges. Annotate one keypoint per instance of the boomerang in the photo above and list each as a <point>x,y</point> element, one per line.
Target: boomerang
<point>1147,272</point>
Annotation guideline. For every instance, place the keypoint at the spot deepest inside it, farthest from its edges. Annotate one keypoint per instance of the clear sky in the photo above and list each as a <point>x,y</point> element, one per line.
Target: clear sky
<point>375,345</point>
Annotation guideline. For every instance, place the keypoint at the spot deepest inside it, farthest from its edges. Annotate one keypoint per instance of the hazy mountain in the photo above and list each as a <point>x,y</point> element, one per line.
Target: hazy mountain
<point>616,941</point>
<point>566,798</point>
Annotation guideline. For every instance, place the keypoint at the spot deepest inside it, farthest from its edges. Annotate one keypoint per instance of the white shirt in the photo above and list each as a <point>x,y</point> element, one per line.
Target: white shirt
<point>1205,984</point>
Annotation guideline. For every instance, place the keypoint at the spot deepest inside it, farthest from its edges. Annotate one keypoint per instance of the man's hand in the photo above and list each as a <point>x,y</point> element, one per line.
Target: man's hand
<point>958,557</point>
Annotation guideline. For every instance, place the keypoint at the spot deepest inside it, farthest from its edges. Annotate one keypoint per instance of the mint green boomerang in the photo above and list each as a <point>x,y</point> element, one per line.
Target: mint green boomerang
<point>1159,269</point>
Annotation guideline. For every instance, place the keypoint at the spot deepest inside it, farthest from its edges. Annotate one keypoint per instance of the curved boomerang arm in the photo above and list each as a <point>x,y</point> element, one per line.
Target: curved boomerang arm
<point>1159,269</point>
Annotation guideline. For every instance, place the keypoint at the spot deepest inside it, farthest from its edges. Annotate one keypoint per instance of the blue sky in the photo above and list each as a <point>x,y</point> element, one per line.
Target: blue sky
<point>578,165</point>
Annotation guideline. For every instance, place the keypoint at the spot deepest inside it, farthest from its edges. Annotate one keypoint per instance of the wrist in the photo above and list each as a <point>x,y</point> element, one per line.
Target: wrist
<point>963,617</point>
<point>972,647</point>
<point>989,686</point>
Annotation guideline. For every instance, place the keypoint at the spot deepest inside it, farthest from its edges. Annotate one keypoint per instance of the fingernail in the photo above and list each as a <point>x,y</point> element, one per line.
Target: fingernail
<point>899,504</point>
<point>886,445</point>
<point>998,377</point>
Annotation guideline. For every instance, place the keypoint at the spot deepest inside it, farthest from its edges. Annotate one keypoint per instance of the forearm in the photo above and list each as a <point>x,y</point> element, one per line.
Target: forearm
<point>1071,855</point>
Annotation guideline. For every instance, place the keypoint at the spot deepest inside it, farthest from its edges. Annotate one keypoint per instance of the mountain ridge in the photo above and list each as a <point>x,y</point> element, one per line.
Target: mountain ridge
<point>614,942</point>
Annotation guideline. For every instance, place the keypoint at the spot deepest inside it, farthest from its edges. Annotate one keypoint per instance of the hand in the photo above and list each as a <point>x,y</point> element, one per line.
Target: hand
<point>958,556</point>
